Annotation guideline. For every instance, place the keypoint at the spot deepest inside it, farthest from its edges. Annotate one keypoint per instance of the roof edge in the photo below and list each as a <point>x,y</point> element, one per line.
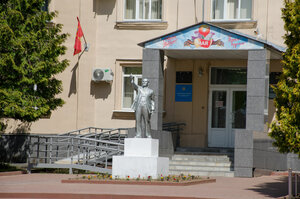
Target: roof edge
<point>265,42</point>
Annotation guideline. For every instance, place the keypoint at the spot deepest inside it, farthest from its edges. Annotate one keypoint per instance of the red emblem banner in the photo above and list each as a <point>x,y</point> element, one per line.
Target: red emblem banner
<point>79,34</point>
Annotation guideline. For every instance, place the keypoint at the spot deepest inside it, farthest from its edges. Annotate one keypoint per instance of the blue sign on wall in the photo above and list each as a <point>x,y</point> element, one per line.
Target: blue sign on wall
<point>183,93</point>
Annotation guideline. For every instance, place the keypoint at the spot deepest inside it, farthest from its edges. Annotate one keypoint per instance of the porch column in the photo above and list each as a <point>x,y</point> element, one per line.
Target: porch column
<point>256,111</point>
<point>153,68</point>
<point>257,89</point>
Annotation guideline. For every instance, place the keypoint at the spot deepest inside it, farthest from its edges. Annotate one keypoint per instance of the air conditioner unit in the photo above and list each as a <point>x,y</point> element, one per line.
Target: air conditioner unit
<point>102,74</point>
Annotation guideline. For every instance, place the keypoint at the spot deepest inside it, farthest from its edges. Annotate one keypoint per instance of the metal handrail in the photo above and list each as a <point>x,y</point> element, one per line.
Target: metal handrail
<point>81,138</point>
<point>101,133</point>
<point>79,130</point>
<point>94,128</point>
<point>90,151</point>
<point>290,182</point>
<point>175,128</point>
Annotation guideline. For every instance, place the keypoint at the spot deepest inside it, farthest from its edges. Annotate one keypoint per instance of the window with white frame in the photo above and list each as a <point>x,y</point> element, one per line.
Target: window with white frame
<point>128,92</point>
<point>143,10</point>
<point>231,9</point>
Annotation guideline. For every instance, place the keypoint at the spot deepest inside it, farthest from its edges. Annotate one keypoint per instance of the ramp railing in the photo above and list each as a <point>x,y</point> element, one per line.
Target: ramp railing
<point>88,149</point>
<point>116,134</point>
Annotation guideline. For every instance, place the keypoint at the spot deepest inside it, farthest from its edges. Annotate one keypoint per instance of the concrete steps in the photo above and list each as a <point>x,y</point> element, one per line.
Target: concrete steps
<point>202,164</point>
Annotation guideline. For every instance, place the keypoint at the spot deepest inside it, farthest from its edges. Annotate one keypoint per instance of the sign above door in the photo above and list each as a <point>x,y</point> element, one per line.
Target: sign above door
<point>203,36</point>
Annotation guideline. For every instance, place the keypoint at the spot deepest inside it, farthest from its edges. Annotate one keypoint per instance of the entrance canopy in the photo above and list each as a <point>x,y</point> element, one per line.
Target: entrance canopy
<point>204,40</point>
<point>235,111</point>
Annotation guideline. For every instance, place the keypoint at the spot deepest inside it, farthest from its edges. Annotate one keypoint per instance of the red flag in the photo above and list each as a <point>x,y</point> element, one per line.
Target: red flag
<point>79,34</point>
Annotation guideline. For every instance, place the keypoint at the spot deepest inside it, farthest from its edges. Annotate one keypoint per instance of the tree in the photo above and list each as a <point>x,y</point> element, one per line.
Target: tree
<point>30,47</point>
<point>286,130</point>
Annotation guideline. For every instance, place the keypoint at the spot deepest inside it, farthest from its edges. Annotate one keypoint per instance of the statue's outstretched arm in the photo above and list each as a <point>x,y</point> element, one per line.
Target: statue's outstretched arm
<point>132,83</point>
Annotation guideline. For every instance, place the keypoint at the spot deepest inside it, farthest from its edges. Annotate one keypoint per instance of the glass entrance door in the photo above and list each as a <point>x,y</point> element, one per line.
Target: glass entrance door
<point>238,109</point>
<point>227,113</point>
<point>218,118</point>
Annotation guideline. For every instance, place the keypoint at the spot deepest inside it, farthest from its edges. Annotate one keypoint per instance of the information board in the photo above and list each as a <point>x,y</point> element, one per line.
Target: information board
<point>183,93</point>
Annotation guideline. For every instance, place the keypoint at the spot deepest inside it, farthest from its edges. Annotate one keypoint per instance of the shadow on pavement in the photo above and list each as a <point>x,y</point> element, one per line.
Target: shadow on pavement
<point>275,189</point>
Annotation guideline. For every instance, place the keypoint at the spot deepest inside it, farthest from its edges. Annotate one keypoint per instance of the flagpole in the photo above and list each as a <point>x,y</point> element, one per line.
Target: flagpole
<point>77,71</point>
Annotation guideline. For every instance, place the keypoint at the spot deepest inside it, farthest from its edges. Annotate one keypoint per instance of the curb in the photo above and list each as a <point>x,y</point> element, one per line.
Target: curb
<point>164,183</point>
<point>87,196</point>
<point>12,173</point>
<point>284,173</point>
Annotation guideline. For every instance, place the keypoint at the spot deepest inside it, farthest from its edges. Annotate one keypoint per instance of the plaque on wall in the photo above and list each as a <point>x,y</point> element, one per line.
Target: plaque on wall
<point>183,93</point>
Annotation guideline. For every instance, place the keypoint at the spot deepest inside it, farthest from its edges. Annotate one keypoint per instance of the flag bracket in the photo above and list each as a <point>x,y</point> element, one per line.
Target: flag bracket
<point>86,47</point>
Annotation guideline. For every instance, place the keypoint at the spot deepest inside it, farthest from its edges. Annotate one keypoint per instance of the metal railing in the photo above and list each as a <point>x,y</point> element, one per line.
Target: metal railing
<point>175,128</point>
<point>88,149</point>
<point>117,134</point>
<point>290,183</point>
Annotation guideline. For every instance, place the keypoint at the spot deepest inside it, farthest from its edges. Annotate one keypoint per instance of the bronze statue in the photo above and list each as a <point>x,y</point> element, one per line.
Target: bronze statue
<point>143,106</point>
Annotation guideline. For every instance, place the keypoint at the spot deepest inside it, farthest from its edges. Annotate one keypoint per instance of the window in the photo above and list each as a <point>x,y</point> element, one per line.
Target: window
<point>143,10</point>
<point>128,92</point>
<point>231,9</point>
<point>274,78</point>
<point>228,76</point>
<point>184,77</point>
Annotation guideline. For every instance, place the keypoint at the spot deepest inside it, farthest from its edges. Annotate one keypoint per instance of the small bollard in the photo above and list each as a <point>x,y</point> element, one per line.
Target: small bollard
<point>290,184</point>
<point>296,184</point>
<point>70,170</point>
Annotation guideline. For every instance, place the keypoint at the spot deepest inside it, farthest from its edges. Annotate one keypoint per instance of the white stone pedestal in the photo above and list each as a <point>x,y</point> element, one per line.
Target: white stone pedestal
<point>140,160</point>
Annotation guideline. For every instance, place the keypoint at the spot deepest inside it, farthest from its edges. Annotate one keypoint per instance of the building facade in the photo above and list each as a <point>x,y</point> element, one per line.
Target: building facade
<point>113,33</point>
<point>209,61</point>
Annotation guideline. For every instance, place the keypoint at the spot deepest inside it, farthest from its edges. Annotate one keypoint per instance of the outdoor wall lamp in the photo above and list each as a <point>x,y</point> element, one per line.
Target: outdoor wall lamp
<point>257,33</point>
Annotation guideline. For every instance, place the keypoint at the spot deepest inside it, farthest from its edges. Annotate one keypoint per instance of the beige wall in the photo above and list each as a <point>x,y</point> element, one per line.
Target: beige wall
<point>93,104</point>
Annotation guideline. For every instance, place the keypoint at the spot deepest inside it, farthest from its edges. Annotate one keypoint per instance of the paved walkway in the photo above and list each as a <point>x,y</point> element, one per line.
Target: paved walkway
<point>50,186</point>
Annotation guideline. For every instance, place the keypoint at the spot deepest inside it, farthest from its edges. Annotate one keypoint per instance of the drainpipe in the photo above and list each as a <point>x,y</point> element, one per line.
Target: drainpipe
<point>267,20</point>
<point>77,81</point>
<point>177,14</point>
<point>203,4</point>
<point>195,11</point>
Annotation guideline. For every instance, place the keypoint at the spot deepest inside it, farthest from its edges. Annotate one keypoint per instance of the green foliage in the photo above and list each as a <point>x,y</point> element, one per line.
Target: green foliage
<point>286,130</point>
<point>2,126</point>
<point>30,47</point>
<point>4,167</point>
